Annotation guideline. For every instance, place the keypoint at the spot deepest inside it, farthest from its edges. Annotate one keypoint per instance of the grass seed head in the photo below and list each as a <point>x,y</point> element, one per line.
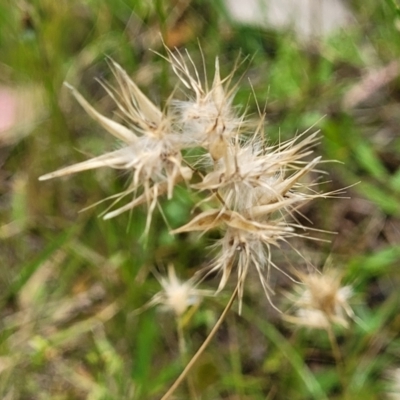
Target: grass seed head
<point>176,295</point>
<point>256,188</point>
<point>320,301</point>
<point>149,147</point>
<point>207,118</point>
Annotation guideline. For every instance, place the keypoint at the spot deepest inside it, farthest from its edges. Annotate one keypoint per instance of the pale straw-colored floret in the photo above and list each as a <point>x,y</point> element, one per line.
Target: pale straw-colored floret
<point>176,295</point>
<point>245,243</point>
<point>320,301</point>
<point>259,190</point>
<point>246,249</point>
<point>253,175</point>
<point>208,120</point>
<point>150,149</point>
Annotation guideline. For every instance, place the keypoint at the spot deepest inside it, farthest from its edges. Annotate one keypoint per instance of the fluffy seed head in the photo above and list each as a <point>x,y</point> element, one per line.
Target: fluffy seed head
<point>149,147</point>
<point>320,301</point>
<point>178,296</point>
<point>207,118</point>
<point>251,190</point>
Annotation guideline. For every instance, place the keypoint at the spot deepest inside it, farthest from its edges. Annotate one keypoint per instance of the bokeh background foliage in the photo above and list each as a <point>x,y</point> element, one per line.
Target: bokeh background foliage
<point>70,282</point>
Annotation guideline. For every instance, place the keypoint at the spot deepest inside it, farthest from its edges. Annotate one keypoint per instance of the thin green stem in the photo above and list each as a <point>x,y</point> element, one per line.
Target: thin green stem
<point>337,355</point>
<point>183,354</point>
<point>235,357</point>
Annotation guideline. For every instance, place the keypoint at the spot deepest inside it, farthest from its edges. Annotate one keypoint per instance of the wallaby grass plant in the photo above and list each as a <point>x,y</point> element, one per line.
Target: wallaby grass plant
<point>253,190</point>
<point>78,292</point>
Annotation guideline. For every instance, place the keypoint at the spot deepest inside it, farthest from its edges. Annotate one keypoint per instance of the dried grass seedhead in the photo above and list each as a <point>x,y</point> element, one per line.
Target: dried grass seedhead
<point>319,300</point>
<point>253,175</point>
<point>208,117</point>
<point>176,295</point>
<point>149,147</point>
<point>252,190</point>
<point>258,189</point>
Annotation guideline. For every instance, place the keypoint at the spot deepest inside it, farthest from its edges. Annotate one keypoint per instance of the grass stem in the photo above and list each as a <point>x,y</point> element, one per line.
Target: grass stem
<point>201,349</point>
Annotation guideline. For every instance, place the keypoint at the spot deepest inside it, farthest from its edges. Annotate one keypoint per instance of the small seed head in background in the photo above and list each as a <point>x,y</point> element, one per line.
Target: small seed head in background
<point>320,301</point>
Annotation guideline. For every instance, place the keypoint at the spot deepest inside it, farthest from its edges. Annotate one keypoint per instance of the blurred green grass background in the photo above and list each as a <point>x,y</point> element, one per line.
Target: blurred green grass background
<point>70,282</point>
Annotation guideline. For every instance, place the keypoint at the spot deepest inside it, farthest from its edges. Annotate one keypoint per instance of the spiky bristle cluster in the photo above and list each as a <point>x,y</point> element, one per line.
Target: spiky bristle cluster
<point>251,189</point>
